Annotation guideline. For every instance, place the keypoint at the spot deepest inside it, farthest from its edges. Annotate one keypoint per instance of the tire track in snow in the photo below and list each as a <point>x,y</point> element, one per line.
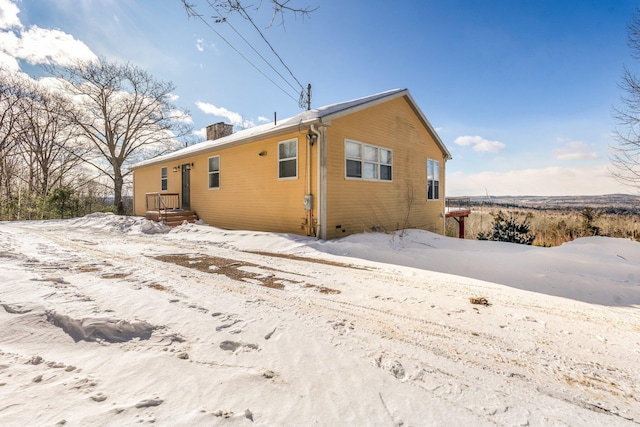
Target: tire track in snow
<point>531,369</point>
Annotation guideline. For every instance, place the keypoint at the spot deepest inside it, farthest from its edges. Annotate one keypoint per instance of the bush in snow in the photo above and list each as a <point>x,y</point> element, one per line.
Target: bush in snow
<point>507,228</point>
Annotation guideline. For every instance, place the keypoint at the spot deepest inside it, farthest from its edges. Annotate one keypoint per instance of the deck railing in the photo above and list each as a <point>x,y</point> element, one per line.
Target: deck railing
<point>162,202</point>
<point>457,205</point>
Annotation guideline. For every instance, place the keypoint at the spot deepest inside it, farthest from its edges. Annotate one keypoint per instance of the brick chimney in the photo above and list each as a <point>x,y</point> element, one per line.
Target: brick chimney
<point>218,130</point>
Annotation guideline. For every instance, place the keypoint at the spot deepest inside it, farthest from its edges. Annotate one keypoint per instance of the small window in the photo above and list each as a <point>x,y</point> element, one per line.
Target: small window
<point>385,165</point>
<point>288,159</point>
<point>367,161</point>
<point>214,172</point>
<point>353,154</point>
<point>164,179</point>
<point>433,179</point>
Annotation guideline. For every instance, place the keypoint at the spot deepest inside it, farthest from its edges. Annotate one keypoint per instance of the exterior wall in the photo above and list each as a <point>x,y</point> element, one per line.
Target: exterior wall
<point>356,205</point>
<point>148,180</point>
<point>250,197</point>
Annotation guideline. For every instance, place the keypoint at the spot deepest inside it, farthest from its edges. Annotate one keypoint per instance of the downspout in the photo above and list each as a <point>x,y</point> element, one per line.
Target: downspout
<point>319,201</point>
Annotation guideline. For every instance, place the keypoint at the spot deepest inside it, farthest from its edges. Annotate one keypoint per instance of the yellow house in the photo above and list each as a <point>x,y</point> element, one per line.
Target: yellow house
<point>370,164</point>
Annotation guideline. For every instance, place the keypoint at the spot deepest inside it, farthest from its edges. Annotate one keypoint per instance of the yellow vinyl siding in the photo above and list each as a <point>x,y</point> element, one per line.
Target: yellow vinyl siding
<point>250,196</point>
<point>148,180</point>
<point>360,205</point>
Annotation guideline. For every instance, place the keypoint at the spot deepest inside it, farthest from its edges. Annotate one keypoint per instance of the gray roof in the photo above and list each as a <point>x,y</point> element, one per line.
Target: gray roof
<point>321,114</point>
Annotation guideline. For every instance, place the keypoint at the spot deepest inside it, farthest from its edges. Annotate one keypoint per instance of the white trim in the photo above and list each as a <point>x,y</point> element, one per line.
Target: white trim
<point>209,173</point>
<point>296,158</point>
<point>164,178</point>
<point>436,179</point>
<point>363,161</point>
<point>322,183</point>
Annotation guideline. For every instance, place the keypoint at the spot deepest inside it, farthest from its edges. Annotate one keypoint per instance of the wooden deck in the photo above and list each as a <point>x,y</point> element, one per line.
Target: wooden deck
<point>458,208</point>
<point>172,217</point>
<point>166,208</point>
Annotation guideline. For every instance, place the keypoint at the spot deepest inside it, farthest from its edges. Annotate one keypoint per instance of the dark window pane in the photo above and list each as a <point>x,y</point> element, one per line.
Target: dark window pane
<point>288,168</point>
<point>214,180</point>
<point>354,169</point>
<point>385,173</point>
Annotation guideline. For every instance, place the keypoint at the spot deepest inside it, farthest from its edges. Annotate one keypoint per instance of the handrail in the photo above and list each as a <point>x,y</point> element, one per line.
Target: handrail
<point>455,204</point>
<point>162,202</point>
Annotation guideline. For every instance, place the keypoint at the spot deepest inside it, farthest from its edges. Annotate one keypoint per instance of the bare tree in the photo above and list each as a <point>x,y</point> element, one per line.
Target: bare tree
<point>47,139</point>
<point>124,114</point>
<point>224,8</point>
<point>12,89</point>
<point>625,156</point>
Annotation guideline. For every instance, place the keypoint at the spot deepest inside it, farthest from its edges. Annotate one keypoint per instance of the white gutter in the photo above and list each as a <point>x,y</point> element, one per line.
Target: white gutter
<point>321,191</point>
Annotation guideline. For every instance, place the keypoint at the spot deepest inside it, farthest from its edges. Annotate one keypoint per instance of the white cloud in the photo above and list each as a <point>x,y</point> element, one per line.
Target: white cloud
<point>480,144</point>
<point>37,45</point>
<point>200,45</point>
<point>8,62</point>
<point>574,150</point>
<point>9,15</point>
<point>550,181</point>
<point>263,119</point>
<point>200,133</point>
<point>233,118</point>
<point>181,116</point>
<point>172,97</point>
<point>42,46</point>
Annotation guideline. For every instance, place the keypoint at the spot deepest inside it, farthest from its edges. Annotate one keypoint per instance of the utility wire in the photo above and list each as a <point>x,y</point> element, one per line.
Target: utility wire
<point>194,14</point>
<point>271,47</point>
<point>256,51</point>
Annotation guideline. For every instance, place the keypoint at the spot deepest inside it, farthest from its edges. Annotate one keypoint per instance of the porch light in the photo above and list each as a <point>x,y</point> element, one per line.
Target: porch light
<point>262,153</point>
<point>175,168</point>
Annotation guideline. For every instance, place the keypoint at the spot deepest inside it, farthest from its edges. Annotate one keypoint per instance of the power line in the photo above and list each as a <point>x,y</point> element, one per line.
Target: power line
<point>193,13</point>
<point>271,47</point>
<point>256,51</point>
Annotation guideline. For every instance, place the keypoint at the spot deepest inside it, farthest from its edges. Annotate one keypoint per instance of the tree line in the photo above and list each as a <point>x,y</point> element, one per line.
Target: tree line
<point>69,139</point>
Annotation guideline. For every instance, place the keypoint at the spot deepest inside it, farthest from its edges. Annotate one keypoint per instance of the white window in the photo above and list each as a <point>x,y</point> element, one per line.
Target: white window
<point>164,179</point>
<point>367,161</point>
<point>288,159</point>
<point>214,172</point>
<point>433,179</point>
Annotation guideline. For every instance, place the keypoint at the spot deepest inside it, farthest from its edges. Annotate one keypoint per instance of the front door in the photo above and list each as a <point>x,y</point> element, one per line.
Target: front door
<point>186,177</point>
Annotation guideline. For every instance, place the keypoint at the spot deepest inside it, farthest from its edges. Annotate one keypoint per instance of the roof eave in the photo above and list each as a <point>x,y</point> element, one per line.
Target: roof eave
<point>427,124</point>
<point>283,130</point>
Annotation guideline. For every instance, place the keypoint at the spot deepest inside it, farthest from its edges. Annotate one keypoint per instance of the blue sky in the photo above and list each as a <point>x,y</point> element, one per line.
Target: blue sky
<point>521,92</point>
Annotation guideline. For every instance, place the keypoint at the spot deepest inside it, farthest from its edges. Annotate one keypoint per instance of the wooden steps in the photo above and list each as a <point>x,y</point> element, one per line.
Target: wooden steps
<point>172,217</point>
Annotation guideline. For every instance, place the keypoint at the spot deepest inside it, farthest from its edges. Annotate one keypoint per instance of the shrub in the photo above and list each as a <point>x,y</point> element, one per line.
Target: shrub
<point>507,228</point>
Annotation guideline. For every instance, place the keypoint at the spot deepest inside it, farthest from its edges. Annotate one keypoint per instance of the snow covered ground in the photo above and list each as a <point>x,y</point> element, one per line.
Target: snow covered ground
<point>108,320</point>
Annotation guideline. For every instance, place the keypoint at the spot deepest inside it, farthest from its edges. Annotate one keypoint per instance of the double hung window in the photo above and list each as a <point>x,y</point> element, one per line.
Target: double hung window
<point>288,159</point>
<point>214,172</point>
<point>365,161</point>
<point>164,178</point>
<point>433,179</point>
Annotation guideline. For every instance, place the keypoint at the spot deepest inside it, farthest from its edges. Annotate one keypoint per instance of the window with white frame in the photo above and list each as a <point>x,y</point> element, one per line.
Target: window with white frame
<point>288,159</point>
<point>367,161</point>
<point>433,179</point>
<point>214,172</point>
<point>164,178</point>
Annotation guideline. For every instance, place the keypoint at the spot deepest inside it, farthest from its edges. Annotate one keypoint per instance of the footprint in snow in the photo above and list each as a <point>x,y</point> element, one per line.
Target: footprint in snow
<point>234,346</point>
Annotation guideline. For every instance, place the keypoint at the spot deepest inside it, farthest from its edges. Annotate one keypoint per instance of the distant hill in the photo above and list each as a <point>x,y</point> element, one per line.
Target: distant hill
<point>610,203</point>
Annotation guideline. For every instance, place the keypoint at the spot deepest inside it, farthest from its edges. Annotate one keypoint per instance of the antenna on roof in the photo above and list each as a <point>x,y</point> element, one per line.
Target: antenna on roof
<point>305,98</point>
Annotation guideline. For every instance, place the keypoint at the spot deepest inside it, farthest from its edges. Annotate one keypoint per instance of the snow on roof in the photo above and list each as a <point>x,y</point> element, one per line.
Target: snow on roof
<point>317,114</point>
